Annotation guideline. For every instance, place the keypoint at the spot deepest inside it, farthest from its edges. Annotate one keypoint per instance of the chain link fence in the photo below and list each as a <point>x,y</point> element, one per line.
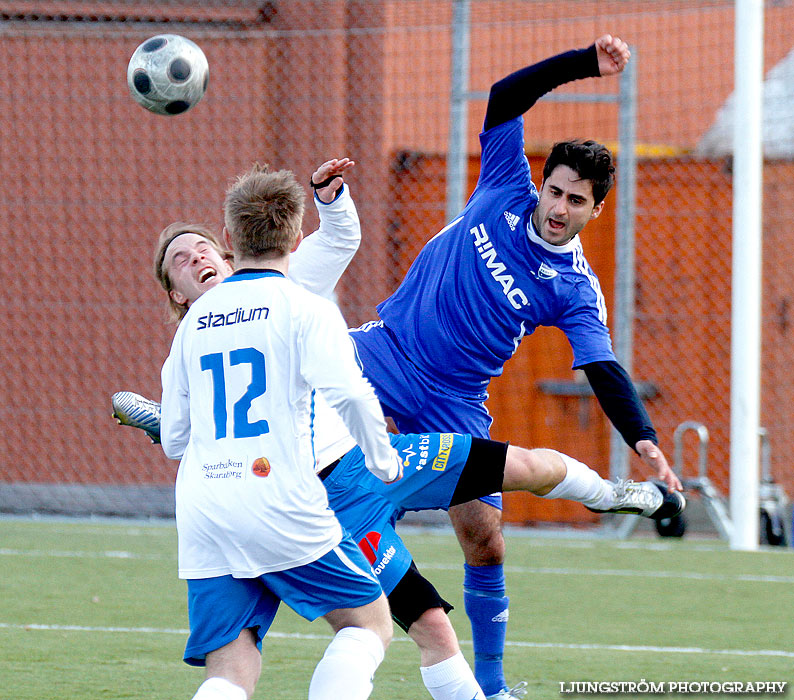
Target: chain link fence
<point>90,179</point>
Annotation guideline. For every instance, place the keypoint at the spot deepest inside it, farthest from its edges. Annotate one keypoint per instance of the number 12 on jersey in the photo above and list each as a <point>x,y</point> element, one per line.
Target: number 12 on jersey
<point>242,428</point>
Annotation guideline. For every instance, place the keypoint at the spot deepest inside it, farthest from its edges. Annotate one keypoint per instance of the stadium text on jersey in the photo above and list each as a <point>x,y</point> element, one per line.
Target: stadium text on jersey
<point>212,320</point>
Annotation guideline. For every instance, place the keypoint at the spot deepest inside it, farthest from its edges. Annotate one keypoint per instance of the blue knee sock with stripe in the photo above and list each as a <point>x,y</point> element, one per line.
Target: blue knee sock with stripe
<point>487,607</point>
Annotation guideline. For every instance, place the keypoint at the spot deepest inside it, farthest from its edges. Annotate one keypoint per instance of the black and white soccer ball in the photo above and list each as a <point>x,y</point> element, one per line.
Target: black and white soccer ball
<point>168,74</point>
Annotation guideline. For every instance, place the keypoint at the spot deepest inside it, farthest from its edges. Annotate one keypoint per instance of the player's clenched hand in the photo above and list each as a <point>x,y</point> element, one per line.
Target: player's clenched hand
<point>399,476</point>
<point>655,458</point>
<point>332,169</point>
<point>613,54</point>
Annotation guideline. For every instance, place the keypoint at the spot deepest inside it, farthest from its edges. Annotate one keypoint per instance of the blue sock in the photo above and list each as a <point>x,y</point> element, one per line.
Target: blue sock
<point>487,607</point>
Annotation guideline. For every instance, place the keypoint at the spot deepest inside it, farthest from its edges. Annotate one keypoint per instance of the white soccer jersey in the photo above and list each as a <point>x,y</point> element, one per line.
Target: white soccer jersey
<point>237,410</point>
<point>324,255</point>
<point>317,265</point>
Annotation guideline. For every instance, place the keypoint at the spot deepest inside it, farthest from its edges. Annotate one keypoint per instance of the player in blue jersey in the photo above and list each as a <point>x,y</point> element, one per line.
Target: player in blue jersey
<point>510,262</point>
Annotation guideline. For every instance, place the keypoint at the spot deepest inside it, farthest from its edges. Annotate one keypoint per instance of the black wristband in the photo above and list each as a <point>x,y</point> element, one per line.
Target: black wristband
<point>324,183</point>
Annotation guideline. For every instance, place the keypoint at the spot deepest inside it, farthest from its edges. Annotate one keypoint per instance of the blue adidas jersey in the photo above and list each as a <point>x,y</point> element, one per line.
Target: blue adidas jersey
<point>487,279</point>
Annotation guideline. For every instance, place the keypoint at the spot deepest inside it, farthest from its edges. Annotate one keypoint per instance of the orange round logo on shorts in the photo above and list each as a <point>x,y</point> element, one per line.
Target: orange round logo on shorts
<point>261,466</point>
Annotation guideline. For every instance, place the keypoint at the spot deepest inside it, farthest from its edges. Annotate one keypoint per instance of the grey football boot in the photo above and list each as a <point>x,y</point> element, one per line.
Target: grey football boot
<point>517,691</point>
<point>138,412</point>
<point>650,499</point>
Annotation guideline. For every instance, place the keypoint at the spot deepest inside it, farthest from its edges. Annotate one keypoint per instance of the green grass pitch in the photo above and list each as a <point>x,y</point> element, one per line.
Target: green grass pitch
<point>93,609</point>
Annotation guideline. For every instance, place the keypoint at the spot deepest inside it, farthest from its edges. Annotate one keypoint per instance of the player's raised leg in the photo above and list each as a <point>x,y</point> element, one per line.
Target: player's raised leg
<point>551,474</point>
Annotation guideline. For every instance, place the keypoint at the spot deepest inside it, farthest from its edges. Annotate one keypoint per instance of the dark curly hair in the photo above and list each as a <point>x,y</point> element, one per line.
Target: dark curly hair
<point>589,159</point>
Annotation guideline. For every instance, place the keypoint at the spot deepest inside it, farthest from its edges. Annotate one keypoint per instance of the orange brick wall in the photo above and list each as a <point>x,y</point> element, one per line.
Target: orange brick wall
<point>89,179</point>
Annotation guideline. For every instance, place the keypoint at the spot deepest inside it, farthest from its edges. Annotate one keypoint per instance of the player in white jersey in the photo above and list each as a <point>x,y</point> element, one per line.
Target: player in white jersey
<point>253,521</point>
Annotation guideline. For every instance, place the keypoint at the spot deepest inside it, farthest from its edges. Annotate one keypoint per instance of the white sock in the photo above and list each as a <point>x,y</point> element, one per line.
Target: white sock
<point>347,667</point>
<point>451,679</point>
<point>217,688</point>
<point>584,485</point>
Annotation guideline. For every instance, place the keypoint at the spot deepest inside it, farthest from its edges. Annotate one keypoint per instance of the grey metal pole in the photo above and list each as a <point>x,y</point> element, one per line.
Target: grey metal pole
<point>624,245</point>
<point>624,266</point>
<point>458,108</point>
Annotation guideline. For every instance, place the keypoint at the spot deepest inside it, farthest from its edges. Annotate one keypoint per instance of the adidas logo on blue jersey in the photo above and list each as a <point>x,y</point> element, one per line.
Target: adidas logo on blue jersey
<point>512,220</point>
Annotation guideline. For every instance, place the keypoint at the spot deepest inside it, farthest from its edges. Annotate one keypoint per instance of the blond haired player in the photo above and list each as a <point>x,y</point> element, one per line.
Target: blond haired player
<point>253,522</point>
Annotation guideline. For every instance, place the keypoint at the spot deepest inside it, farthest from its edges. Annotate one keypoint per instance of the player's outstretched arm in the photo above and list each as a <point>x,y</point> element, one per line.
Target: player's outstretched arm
<point>615,392</point>
<point>327,180</point>
<point>323,256</point>
<point>513,95</point>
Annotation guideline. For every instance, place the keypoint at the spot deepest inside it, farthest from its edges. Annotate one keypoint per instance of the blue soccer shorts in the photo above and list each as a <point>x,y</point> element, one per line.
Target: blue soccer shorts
<point>414,400</point>
<point>368,508</point>
<point>220,608</point>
